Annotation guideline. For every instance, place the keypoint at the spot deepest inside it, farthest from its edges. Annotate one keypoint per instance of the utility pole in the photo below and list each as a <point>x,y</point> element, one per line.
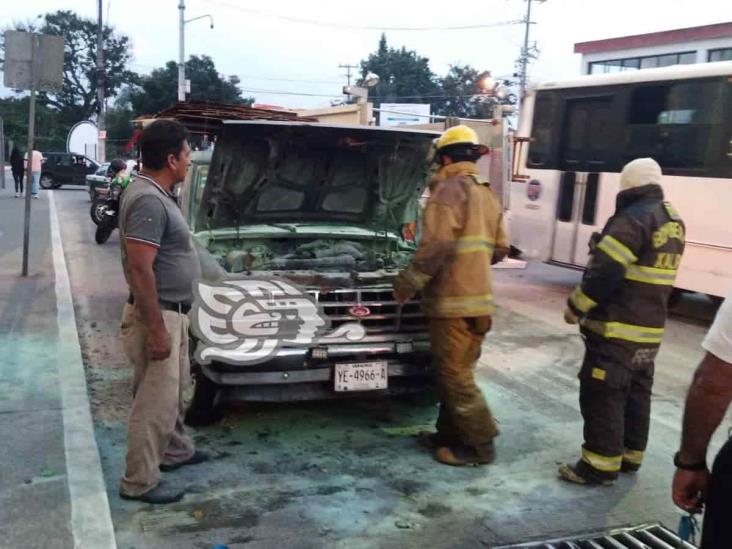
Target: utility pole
<point>102,134</point>
<point>525,54</point>
<point>348,68</point>
<point>181,51</point>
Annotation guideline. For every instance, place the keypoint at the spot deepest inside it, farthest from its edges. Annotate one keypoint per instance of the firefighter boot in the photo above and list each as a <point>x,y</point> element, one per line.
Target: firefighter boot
<point>582,473</point>
<point>460,455</point>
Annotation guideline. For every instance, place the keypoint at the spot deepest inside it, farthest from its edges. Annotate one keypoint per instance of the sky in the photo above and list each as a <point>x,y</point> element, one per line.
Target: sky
<point>283,58</point>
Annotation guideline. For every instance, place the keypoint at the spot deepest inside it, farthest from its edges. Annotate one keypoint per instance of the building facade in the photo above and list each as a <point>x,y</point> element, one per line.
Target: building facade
<point>703,44</point>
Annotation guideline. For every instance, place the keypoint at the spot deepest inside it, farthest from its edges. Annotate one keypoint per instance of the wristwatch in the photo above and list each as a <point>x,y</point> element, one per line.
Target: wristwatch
<point>699,466</point>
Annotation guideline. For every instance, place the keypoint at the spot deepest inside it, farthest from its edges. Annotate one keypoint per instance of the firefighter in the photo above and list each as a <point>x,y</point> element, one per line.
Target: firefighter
<point>463,233</point>
<point>621,306</point>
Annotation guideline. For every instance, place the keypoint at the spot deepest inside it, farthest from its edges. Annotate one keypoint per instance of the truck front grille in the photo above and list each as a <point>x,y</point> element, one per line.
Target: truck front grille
<point>385,314</point>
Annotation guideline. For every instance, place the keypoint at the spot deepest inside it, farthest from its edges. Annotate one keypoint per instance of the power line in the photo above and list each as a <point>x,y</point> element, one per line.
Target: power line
<point>372,98</point>
<point>331,24</point>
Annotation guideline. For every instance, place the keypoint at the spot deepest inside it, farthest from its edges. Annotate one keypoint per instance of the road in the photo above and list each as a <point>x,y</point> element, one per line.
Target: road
<point>349,474</point>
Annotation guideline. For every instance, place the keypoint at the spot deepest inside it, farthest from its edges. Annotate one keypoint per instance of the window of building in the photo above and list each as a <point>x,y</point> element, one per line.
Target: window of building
<point>648,62</point>
<point>721,54</point>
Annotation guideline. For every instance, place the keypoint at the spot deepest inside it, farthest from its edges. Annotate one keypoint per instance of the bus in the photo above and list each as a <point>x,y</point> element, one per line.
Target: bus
<point>574,138</point>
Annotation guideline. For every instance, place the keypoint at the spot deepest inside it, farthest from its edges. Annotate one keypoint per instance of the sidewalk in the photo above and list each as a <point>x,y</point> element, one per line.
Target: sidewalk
<point>51,490</point>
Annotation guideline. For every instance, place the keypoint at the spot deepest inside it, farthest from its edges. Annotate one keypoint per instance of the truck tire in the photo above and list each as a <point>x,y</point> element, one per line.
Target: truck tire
<point>203,409</point>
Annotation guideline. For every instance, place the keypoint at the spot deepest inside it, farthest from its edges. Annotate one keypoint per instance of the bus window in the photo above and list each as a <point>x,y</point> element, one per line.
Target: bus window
<point>566,196</point>
<point>542,130</point>
<point>589,208</point>
<point>675,123</point>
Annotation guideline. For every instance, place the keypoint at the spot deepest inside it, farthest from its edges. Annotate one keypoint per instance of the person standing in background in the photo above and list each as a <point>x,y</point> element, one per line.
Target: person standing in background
<point>18,169</point>
<point>35,170</point>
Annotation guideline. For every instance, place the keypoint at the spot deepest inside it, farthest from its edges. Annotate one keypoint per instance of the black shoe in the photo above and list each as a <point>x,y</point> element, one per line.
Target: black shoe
<point>198,457</point>
<point>161,494</point>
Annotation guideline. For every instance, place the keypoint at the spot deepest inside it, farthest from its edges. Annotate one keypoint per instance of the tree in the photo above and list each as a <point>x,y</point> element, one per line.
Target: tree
<point>50,131</point>
<point>77,99</point>
<point>159,90</point>
<point>404,76</point>
<point>463,93</point>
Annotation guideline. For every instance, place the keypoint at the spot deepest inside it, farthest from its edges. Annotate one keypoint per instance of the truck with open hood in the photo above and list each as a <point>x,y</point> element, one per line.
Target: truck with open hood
<point>326,211</point>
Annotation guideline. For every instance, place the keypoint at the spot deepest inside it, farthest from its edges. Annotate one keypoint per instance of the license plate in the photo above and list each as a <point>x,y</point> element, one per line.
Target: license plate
<point>361,376</point>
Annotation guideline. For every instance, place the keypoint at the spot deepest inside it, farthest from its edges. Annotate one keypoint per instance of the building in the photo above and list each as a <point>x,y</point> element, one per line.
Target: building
<point>657,49</point>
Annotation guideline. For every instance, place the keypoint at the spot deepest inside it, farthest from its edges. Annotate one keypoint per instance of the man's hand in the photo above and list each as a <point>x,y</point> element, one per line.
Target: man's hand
<point>403,296</point>
<point>158,344</point>
<point>689,489</point>
<point>570,317</point>
<point>403,291</point>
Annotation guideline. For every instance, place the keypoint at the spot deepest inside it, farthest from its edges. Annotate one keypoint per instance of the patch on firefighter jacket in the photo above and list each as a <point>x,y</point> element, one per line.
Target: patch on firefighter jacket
<point>598,373</point>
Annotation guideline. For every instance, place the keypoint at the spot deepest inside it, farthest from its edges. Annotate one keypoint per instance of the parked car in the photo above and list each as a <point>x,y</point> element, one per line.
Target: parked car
<point>323,207</point>
<point>97,180</point>
<point>62,168</point>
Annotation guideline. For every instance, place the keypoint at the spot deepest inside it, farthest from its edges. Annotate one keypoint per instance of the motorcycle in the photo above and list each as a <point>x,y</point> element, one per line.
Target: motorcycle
<point>105,211</point>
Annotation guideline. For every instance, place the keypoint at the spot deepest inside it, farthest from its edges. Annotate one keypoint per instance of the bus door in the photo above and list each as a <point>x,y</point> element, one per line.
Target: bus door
<point>583,149</point>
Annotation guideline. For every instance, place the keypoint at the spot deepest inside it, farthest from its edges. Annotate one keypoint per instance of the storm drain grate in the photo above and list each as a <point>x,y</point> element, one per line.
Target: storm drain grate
<point>646,536</point>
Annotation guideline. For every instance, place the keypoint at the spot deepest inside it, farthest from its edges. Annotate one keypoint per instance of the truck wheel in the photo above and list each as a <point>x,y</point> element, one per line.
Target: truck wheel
<point>203,409</point>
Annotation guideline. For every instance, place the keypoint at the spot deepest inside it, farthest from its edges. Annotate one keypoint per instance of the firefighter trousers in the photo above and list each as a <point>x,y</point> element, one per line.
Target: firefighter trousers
<point>465,417</point>
<point>615,400</point>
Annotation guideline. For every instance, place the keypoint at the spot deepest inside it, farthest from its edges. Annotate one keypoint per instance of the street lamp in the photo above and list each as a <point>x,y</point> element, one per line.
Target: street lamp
<point>181,47</point>
<point>361,93</point>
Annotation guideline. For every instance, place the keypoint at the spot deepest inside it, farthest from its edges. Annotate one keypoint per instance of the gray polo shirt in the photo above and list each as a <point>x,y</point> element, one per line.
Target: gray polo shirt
<point>151,215</point>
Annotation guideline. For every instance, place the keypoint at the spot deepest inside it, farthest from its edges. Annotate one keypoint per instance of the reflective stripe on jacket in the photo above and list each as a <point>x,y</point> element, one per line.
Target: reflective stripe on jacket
<point>632,268</point>
<point>463,233</point>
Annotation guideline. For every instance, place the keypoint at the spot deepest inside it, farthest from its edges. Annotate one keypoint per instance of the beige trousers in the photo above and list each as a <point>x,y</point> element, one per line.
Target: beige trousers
<point>155,429</point>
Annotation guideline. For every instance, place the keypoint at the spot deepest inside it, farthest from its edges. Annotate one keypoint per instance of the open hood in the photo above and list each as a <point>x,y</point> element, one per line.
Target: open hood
<point>303,173</point>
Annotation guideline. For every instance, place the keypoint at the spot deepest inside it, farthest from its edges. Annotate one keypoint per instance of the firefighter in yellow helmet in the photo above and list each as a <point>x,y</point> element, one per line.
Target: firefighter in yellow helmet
<point>463,234</point>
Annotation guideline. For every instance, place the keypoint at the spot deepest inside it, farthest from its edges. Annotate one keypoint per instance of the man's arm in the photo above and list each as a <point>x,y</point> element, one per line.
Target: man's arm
<point>502,246</point>
<point>707,401</point>
<point>144,226</point>
<point>442,219</point>
<point>140,259</point>
<point>709,396</point>
<point>619,247</point>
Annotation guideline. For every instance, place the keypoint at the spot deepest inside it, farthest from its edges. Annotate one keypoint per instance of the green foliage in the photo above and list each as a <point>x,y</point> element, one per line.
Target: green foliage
<point>404,76</point>
<point>49,130</point>
<point>159,90</point>
<point>462,94</point>
<point>77,99</point>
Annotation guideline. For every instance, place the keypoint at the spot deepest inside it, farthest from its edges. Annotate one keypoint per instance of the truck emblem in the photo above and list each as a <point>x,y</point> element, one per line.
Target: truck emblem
<point>359,311</point>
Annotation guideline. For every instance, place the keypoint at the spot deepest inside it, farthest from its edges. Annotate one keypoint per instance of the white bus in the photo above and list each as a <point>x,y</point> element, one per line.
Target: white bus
<point>574,138</point>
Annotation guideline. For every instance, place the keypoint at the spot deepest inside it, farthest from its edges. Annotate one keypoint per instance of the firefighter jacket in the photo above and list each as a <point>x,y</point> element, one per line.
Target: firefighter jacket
<point>633,263</point>
<point>463,233</point>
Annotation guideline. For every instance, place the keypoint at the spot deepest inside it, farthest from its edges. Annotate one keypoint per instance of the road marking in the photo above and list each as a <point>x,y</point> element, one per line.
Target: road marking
<point>91,520</point>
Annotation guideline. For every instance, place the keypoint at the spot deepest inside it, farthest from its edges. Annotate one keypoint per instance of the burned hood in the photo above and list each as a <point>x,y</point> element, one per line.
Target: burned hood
<point>289,172</point>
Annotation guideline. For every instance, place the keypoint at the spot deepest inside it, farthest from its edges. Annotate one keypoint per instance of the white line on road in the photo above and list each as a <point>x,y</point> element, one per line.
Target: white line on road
<point>91,521</point>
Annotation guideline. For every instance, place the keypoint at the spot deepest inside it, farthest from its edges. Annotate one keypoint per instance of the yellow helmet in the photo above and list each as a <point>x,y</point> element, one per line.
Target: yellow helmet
<point>457,135</point>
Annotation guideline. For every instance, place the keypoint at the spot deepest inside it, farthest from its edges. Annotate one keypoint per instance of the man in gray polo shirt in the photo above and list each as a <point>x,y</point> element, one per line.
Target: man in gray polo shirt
<point>160,265</point>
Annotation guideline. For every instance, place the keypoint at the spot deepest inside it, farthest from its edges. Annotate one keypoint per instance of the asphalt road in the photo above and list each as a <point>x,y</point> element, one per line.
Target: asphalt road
<point>349,474</point>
